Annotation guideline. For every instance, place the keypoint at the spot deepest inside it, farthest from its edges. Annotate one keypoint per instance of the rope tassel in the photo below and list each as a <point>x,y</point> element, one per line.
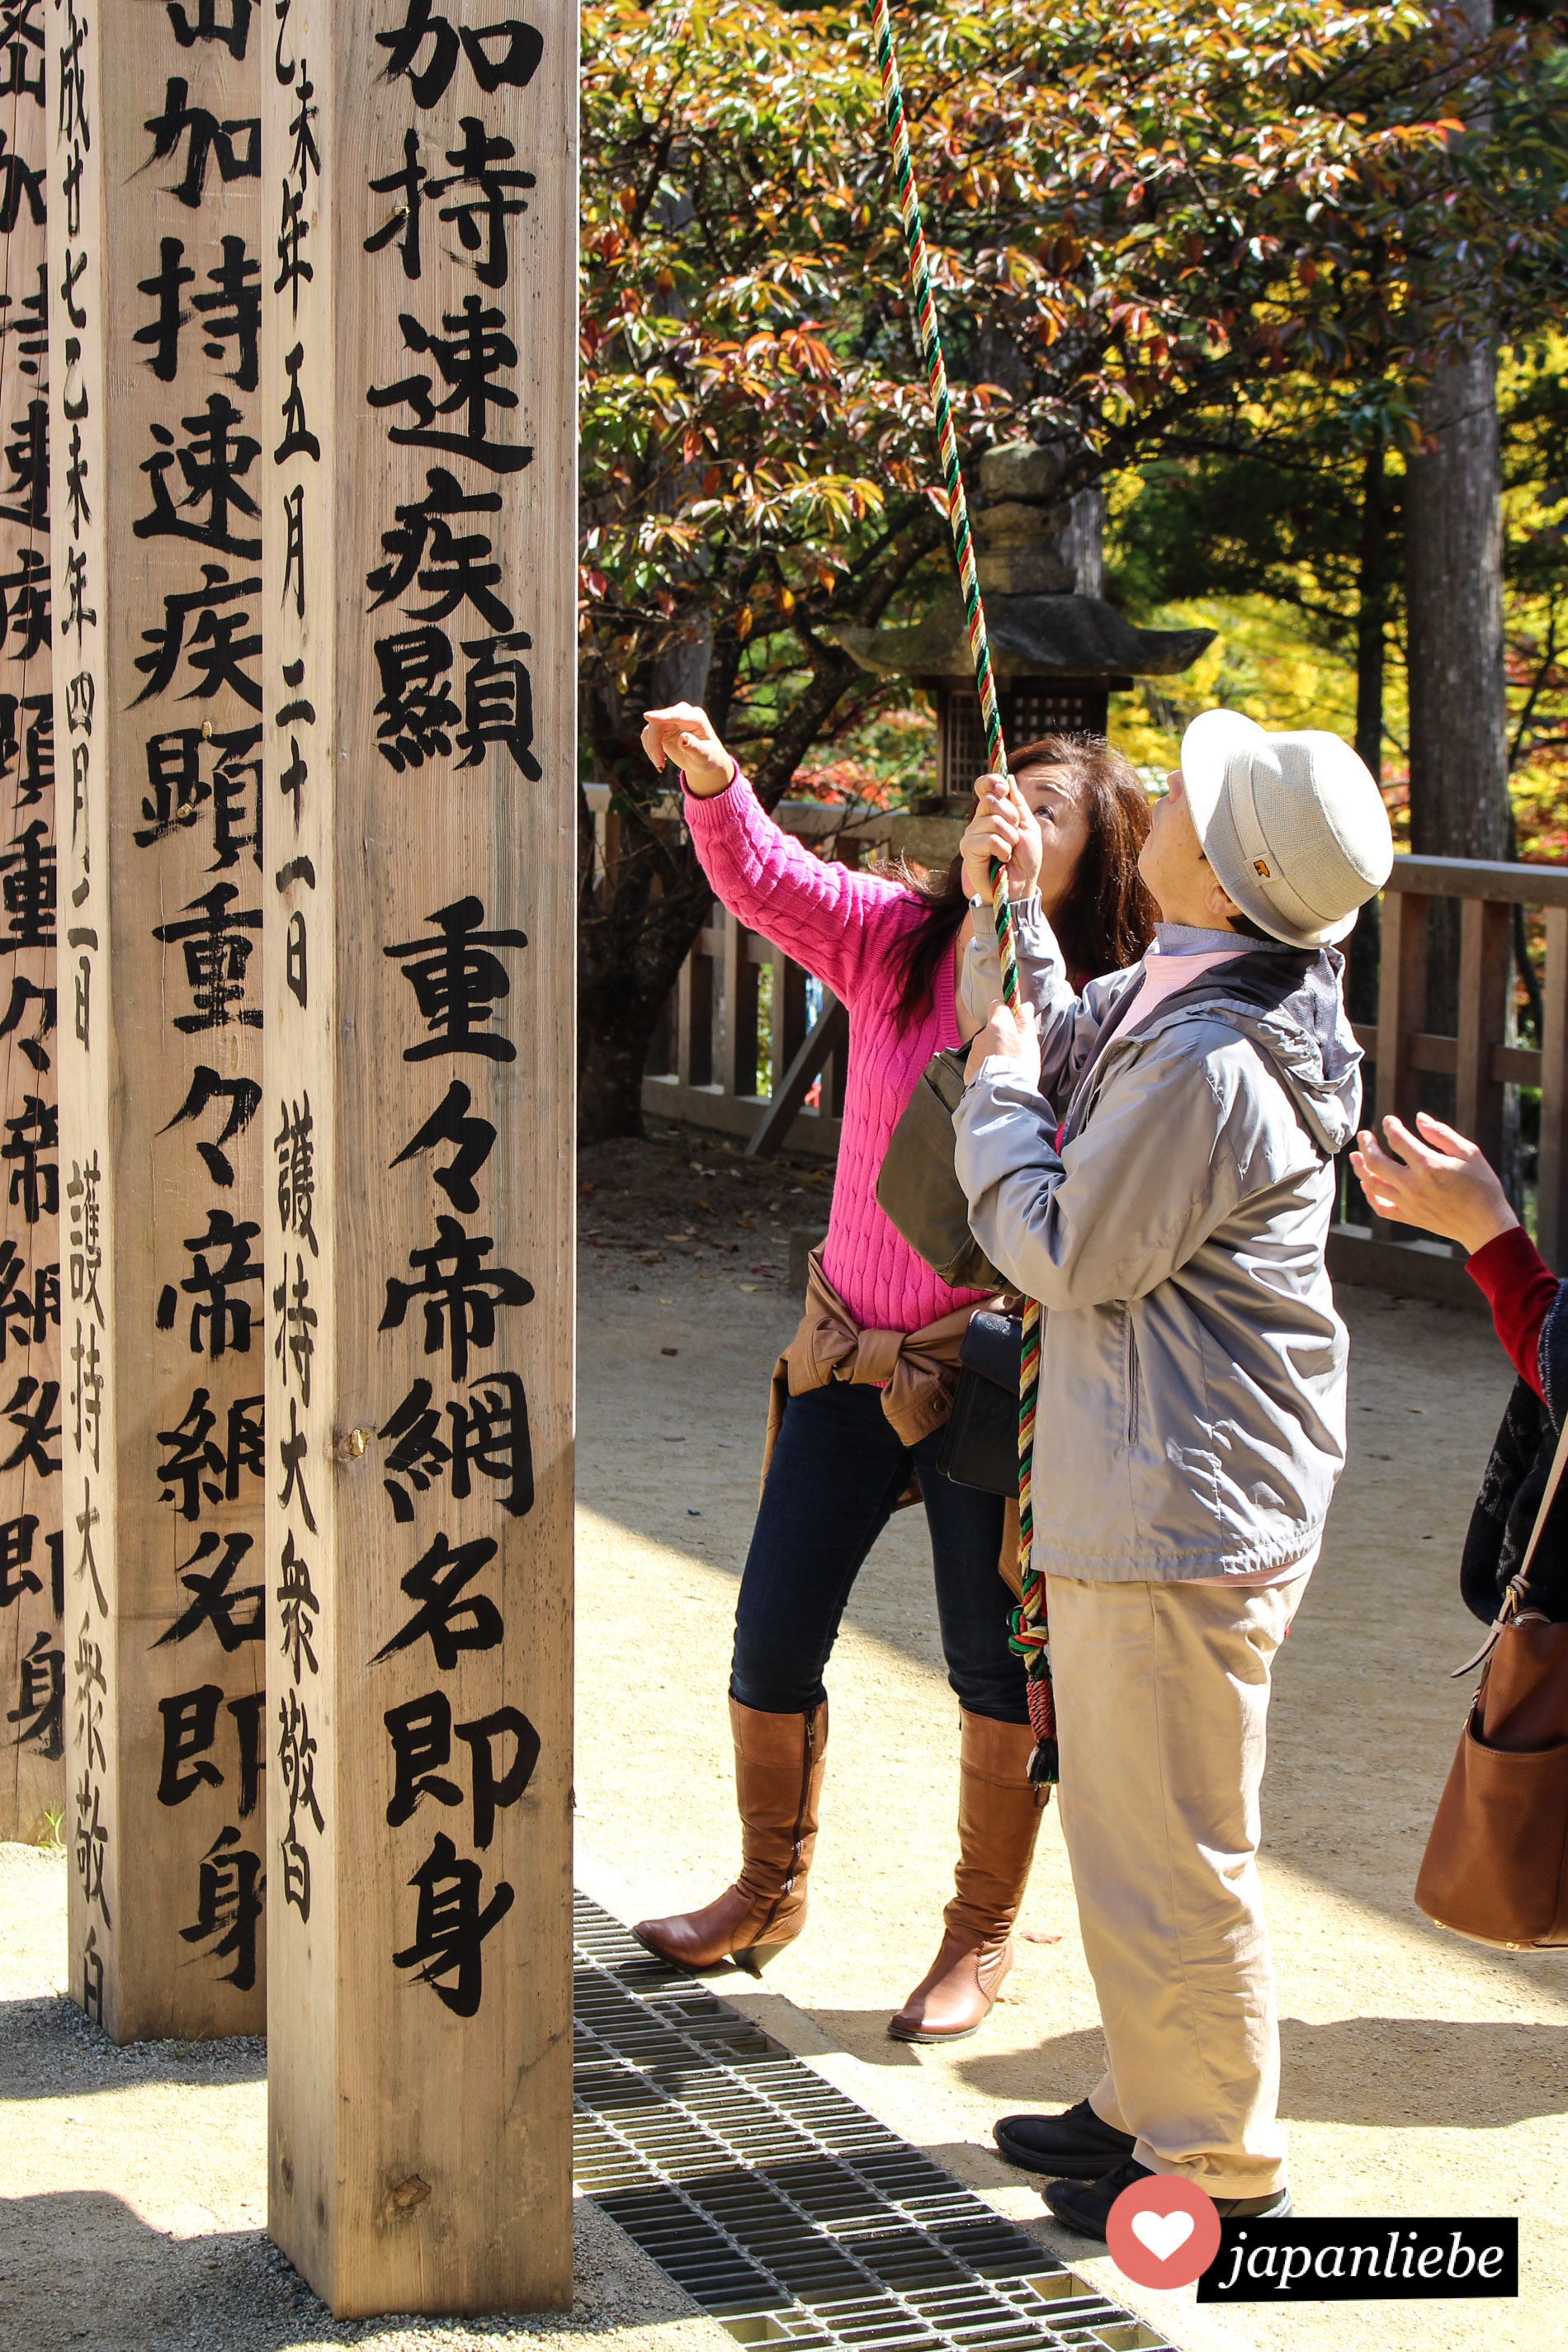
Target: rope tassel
<point>1030,1634</point>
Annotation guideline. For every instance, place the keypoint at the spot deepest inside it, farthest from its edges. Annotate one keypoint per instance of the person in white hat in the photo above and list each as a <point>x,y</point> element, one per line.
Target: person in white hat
<point>1154,1160</point>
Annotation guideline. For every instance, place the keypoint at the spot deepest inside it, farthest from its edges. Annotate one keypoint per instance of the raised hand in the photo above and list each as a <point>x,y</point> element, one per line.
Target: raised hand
<point>1438,1180</point>
<point>683,736</point>
<point>1005,827</point>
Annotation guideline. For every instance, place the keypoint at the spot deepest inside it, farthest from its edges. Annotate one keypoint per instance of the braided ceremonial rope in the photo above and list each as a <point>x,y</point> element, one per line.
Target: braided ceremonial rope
<point>1030,1636</point>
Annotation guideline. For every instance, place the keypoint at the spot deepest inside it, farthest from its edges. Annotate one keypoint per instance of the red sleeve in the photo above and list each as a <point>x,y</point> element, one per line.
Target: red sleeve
<point>1520,1289</point>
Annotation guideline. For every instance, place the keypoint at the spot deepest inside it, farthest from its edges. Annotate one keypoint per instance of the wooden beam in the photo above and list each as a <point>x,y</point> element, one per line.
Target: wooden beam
<point>418,380</point>
<point>1484,968</point>
<point>157,253</point>
<point>1551,1196</point>
<point>829,1034</point>
<point>32,1586</point>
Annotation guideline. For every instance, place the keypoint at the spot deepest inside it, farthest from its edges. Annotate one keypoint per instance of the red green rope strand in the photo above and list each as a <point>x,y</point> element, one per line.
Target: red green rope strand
<point>1030,1634</point>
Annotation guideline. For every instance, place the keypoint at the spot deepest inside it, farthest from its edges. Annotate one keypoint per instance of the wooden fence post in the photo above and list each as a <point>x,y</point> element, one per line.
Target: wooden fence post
<point>155,275</point>
<point>1551,1196</point>
<point>419,388</point>
<point>32,1580</point>
<point>1484,967</point>
<point>1401,1012</point>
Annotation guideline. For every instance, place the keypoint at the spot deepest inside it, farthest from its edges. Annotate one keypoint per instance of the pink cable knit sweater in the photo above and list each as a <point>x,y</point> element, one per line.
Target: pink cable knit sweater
<point>842,926</point>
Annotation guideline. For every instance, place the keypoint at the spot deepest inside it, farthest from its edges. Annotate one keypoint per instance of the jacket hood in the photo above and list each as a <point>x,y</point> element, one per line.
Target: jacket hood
<point>1290,1001</point>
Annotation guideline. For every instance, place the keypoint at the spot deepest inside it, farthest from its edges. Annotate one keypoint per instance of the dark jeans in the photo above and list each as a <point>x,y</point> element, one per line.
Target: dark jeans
<point>837,1473</point>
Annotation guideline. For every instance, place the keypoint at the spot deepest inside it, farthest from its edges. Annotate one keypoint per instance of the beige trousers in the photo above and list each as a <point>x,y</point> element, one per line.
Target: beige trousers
<point>1162,1697</point>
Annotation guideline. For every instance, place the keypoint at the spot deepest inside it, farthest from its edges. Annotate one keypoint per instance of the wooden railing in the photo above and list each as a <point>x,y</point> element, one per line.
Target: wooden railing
<point>706,1062</point>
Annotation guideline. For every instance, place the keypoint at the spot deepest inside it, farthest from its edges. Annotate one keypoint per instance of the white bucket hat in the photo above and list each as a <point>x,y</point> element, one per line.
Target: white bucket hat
<point>1293,825</point>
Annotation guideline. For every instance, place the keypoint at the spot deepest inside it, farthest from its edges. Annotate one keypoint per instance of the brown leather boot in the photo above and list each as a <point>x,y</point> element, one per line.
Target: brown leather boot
<point>998,1820</point>
<point>779,1763</point>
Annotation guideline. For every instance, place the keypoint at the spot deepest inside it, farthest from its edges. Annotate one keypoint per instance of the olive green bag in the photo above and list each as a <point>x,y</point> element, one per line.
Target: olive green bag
<point>918,1190</point>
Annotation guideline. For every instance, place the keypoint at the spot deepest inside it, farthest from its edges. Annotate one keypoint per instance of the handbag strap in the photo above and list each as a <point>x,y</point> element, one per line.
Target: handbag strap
<point>1513,1598</point>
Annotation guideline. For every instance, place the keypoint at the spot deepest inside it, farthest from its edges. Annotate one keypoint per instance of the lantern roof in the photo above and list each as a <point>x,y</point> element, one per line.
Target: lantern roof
<point>1030,636</point>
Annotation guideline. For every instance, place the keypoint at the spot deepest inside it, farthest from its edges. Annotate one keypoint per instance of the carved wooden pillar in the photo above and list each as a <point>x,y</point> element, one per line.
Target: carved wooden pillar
<point>32,1591</point>
<point>420,517</point>
<point>155,279</point>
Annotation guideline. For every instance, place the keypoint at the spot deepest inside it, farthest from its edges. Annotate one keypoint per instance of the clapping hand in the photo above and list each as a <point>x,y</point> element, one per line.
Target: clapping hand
<point>1438,1180</point>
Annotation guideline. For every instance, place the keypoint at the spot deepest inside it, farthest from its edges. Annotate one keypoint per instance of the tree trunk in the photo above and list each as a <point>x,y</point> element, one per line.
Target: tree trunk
<point>1370,648</point>
<point>1453,585</point>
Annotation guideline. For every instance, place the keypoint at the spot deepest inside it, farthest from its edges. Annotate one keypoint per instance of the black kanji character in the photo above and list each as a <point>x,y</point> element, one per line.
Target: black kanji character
<point>474,1138</point>
<point>226,1319</point>
<point>295,1146</point>
<point>25,602</point>
<point>216,950</point>
<point>31,326</point>
<point>489,1438</point>
<point>243,1096</point>
<point>460,1304</point>
<point>234,34</point>
<point>33,1142</point>
<point>178,790</point>
<point>190,1727</point>
<point>403,224</point>
<point>31,1405</point>
<point>213,462</point>
<point>15,1551</point>
<point>296,1326</point>
<point>416,712</point>
<point>498,703</point>
<point>232,312</point>
<point>162,335</point>
<point>291,1453</point>
<point>515,66</point>
<point>294,546</point>
<point>18,184</point>
<point>212,1603</point>
<point>208,137</point>
<point>28,889</point>
<point>297,1608</point>
<point>196,1467</point>
<point>306,157</point>
<point>297,441</point>
<point>444,1618</point>
<point>421,1735</point>
<point>212,652</point>
<point>18,34</point>
<point>26,1309</point>
<point>470,356</point>
<point>229,1903</point>
<point>23,994</point>
<point>297,1770</point>
<point>87,1389</point>
<point>80,613</point>
<point>28,458</point>
<point>481,218</point>
<point>450,1928</point>
<point>86,1241</point>
<point>294,270</point>
<point>456,983</point>
<point>408,543</point>
<point>40,1707</point>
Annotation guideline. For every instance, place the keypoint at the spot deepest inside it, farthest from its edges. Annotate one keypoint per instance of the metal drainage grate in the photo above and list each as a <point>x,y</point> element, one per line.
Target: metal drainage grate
<point>779,2205</point>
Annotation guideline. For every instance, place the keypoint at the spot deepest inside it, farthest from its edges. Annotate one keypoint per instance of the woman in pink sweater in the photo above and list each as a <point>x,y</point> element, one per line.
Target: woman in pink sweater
<point>886,946</point>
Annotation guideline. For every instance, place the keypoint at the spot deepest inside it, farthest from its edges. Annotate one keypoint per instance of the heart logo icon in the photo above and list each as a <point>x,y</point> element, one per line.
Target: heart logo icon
<point>1163,2232</point>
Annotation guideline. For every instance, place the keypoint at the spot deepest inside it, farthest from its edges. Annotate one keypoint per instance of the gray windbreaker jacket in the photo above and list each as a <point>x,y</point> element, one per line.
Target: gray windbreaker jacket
<point>1192,1408</point>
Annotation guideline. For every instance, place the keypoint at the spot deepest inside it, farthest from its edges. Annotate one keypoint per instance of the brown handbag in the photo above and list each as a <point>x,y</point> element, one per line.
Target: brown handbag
<point>1496,1865</point>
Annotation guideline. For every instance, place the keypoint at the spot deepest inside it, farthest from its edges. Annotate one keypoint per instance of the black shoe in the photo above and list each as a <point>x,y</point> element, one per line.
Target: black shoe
<point>1075,2145</point>
<point>1085,2206</point>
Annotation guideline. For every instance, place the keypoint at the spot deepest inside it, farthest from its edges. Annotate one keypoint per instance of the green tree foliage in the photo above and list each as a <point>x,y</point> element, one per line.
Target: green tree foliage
<point>1145,217</point>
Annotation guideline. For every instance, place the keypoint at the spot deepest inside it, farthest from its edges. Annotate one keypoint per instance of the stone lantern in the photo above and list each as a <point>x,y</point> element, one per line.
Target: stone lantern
<point>1058,650</point>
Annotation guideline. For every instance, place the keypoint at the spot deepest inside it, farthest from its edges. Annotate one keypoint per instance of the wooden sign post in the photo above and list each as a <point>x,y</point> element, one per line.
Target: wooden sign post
<point>32,1590</point>
<point>155,279</point>
<point>418,399</point>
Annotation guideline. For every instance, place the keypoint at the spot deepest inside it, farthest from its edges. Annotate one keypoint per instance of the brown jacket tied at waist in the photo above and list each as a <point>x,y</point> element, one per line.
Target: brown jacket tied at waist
<point>916,1370</point>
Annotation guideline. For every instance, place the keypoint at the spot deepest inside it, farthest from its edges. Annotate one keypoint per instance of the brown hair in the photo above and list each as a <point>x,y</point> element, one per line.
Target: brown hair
<point>1107,920</point>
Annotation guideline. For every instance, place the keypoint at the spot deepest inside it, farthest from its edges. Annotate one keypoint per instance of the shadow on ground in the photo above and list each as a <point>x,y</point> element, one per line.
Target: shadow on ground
<point>49,2049</point>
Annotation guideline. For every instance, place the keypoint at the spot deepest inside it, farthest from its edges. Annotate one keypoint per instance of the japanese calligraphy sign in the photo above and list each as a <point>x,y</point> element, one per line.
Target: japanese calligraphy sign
<point>418,434</point>
<point>32,1593</point>
<point>157,257</point>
